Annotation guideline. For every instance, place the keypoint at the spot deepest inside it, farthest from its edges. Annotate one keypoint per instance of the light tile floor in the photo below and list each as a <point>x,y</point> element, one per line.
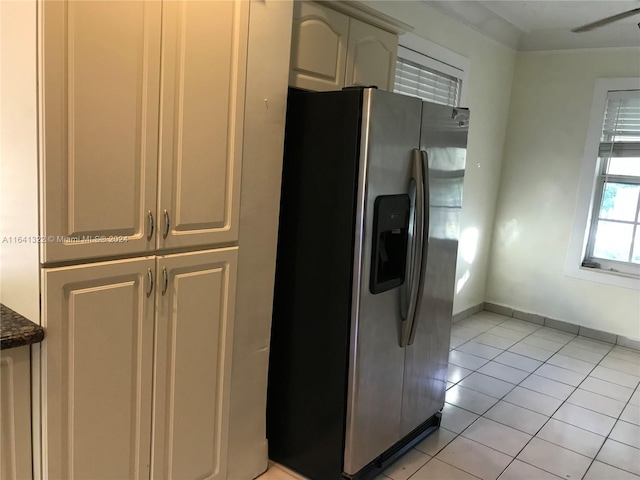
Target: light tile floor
<point>275,472</point>
<point>527,402</point>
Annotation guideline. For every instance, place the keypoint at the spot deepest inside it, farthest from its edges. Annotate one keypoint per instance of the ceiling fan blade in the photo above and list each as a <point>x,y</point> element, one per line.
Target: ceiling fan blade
<point>606,21</point>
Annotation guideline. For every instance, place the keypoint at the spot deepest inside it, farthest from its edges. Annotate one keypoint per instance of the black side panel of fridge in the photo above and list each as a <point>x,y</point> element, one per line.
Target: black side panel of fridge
<point>306,401</point>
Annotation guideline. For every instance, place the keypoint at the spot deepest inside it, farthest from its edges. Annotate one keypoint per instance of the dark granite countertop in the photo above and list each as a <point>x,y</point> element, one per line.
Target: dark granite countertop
<point>16,331</point>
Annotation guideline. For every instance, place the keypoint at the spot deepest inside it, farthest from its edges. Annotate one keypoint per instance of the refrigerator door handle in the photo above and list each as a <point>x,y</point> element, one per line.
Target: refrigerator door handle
<point>409,292</point>
<point>424,243</point>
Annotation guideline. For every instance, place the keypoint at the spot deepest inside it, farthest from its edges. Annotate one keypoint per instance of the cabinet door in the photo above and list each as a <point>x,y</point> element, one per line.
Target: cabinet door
<point>97,370</point>
<point>204,48</point>
<point>371,56</point>
<point>15,414</point>
<point>318,47</point>
<point>100,87</point>
<point>194,336</point>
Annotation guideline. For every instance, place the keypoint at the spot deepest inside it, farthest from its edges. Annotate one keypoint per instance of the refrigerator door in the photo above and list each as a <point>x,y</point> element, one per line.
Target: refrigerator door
<point>443,143</point>
<point>390,132</point>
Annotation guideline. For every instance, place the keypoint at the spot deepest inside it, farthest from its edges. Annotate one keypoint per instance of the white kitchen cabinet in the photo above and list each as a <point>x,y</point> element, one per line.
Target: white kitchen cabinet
<point>136,158</point>
<point>318,47</point>
<point>97,370</point>
<point>100,84</point>
<point>204,50</point>
<point>372,56</point>
<point>194,338</point>
<point>332,49</point>
<point>116,328</point>
<point>15,414</point>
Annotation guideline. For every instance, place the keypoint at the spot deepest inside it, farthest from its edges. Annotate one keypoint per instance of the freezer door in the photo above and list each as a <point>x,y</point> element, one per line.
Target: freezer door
<point>443,144</point>
<point>390,133</point>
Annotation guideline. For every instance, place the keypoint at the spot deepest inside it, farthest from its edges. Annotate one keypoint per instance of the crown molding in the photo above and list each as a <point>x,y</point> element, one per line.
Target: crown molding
<point>369,15</point>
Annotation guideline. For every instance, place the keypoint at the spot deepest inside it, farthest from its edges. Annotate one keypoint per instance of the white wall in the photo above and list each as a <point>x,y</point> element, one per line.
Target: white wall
<point>548,121</point>
<point>19,264</point>
<point>488,94</point>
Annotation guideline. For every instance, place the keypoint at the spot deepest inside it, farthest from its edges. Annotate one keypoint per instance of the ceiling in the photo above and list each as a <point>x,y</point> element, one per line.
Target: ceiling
<point>546,24</point>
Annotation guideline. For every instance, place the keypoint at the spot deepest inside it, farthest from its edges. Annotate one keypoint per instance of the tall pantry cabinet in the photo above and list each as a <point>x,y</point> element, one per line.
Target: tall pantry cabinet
<point>143,106</point>
<point>141,114</point>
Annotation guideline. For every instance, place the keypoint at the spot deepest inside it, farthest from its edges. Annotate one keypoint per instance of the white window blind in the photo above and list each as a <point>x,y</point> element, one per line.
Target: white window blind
<point>614,236</point>
<point>427,83</point>
<point>621,128</point>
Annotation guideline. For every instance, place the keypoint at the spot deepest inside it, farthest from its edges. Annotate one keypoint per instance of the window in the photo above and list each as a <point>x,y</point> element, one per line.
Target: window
<point>428,84</point>
<point>605,243</point>
<point>614,237</point>
<point>430,72</point>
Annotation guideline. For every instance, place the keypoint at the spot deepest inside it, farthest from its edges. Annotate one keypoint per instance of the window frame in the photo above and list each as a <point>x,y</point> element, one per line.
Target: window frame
<point>424,52</point>
<point>601,179</point>
<point>590,192</point>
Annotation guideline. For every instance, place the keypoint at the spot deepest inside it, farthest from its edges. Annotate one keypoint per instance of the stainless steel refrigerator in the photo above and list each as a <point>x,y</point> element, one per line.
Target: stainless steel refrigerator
<point>369,218</point>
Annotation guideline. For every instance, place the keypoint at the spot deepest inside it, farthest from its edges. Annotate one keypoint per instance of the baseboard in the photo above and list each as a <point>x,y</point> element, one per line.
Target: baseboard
<point>591,333</point>
<point>500,309</point>
<point>468,312</point>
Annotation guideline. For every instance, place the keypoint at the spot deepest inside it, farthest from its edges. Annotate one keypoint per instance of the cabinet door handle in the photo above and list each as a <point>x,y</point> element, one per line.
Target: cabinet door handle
<point>150,277</point>
<point>165,280</point>
<point>151,225</point>
<point>166,224</point>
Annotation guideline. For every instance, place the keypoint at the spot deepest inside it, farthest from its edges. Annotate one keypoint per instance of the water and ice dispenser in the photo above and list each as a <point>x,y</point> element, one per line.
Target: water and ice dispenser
<point>389,250</point>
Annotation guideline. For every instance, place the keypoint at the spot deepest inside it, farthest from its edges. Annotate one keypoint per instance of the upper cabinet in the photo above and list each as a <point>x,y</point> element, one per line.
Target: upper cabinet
<point>372,56</point>
<point>318,47</point>
<point>99,126</point>
<point>336,45</point>
<point>142,111</point>
<point>204,47</point>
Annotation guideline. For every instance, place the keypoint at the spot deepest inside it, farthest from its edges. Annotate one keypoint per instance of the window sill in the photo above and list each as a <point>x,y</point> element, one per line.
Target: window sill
<point>617,279</point>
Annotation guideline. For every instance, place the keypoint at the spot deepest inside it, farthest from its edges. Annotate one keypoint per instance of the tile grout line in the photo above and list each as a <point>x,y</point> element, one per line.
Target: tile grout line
<point>551,416</point>
<point>575,388</point>
<point>606,437</point>
<point>609,435</point>
<point>482,415</point>
<point>458,468</point>
<point>457,435</point>
<point>545,362</point>
<point>542,426</point>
